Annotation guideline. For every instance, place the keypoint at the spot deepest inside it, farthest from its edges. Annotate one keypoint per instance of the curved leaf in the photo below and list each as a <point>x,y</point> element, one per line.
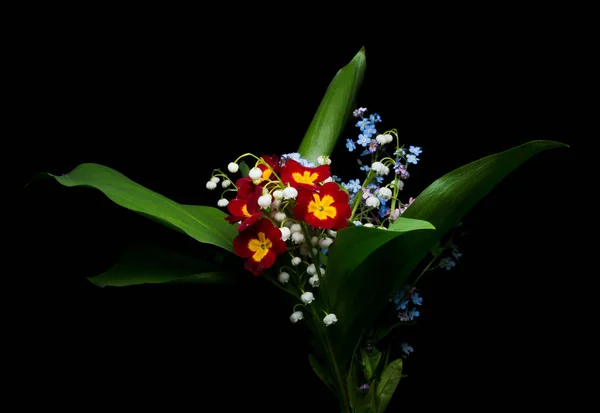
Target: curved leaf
<point>331,116</point>
<point>361,275</point>
<point>404,224</point>
<point>387,385</point>
<point>203,223</point>
<point>144,264</point>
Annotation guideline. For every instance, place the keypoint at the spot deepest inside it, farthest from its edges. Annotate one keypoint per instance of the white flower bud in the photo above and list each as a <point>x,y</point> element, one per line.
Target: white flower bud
<point>400,185</point>
<point>330,319</point>
<point>290,193</point>
<point>226,183</point>
<point>314,241</point>
<point>297,237</point>
<point>283,277</point>
<point>233,167</point>
<point>296,228</point>
<point>314,251</point>
<point>296,261</point>
<point>275,204</point>
<point>280,216</point>
<point>311,269</point>
<point>314,280</point>
<point>215,179</point>
<point>264,201</point>
<point>211,185</point>
<point>322,272</point>
<point>307,298</point>
<point>278,194</point>
<point>325,242</point>
<point>368,225</point>
<point>385,193</point>
<point>285,235</point>
<point>372,202</point>
<point>222,202</point>
<point>255,173</point>
<point>331,233</point>
<point>297,316</point>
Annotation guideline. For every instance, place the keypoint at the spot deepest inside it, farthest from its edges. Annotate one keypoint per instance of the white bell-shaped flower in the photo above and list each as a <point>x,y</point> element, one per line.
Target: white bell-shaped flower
<point>385,193</point>
<point>314,280</point>
<point>330,319</point>
<point>290,193</point>
<point>233,167</point>
<point>307,297</point>
<point>264,201</point>
<point>283,277</point>
<point>285,234</point>
<point>255,173</point>
<point>372,202</point>
<point>222,202</point>
<point>296,316</point>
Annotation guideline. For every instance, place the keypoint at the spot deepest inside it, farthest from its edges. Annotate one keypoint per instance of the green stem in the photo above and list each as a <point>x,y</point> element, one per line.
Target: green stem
<point>339,377</point>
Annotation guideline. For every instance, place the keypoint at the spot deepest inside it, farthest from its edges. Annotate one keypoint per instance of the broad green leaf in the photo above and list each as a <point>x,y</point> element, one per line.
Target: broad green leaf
<point>145,264</point>
<point>203,223</point>
<point>370,362</point>
<point>331,116</point>
<point>367,265</point>
<point>321,372</point>
<point>387,385</point>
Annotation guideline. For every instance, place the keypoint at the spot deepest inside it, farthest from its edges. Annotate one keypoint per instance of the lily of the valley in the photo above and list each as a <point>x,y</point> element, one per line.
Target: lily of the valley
<point>296,316</point>
<point>330,319</point>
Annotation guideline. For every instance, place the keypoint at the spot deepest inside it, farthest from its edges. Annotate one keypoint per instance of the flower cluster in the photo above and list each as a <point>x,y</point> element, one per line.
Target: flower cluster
<point>285,206</point>
<point>374,202</point>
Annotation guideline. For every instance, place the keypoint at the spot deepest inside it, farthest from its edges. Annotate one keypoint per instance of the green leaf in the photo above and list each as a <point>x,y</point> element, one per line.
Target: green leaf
<point>321,372</point>
<point>331,116</point>
<point>203,223</point>
<point>356,283</point>
<point>145,264</point>
<point>244,168</point>
<point>360,403</point>
<point>370,362</point>
<point>367,265</point>
<point>387,385</point>
<point>404,224</point>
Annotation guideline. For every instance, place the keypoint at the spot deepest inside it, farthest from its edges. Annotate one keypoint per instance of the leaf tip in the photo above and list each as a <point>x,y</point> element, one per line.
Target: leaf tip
<point>97,283</point>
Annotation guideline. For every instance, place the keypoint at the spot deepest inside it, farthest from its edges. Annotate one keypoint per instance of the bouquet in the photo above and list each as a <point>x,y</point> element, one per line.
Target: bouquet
<point>348,252</point>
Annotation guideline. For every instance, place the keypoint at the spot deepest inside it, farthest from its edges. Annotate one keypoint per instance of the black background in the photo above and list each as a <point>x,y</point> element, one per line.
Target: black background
<point>165,101</point>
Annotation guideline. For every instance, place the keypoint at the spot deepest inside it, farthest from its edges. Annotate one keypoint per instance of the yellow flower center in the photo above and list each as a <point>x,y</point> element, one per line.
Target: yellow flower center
<point>260,246</point>
<point>245,210</point>
<point>321,208</point>
<point>305,178</point>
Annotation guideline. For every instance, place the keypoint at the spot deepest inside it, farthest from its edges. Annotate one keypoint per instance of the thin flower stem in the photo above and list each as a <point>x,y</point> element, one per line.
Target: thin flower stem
<point>424,271</point>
